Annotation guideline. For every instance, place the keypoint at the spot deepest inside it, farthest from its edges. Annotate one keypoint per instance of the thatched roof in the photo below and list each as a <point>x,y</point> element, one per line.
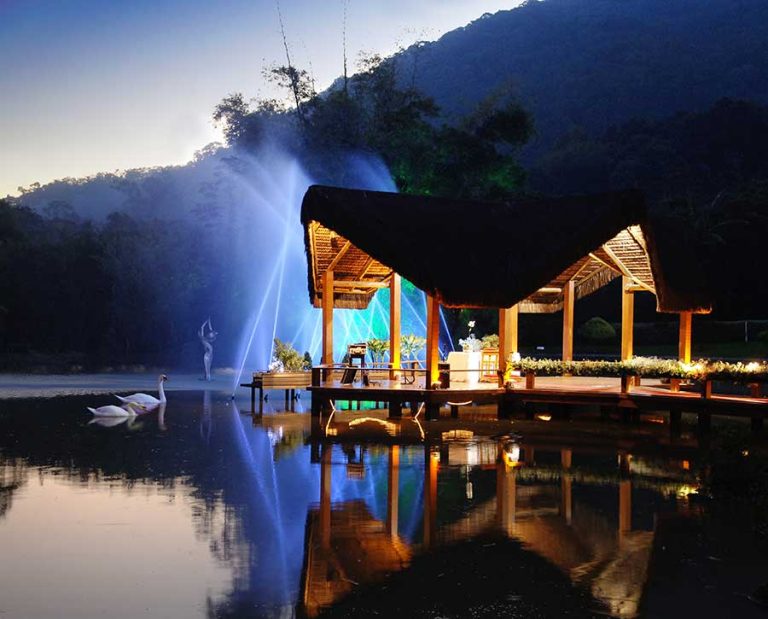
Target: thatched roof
<point>493,254</point>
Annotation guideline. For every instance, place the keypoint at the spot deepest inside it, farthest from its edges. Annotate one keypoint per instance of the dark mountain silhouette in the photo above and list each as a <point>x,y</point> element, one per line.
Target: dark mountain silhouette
<point>592,64</point>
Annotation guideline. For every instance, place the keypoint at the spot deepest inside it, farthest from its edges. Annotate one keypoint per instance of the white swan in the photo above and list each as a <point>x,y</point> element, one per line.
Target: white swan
<point>115,411</point>
<point>111,422</point>
<point>145,400</point>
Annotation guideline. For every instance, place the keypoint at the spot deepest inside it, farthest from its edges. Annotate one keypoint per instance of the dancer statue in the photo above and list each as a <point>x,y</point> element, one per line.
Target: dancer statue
<point>206,339</point>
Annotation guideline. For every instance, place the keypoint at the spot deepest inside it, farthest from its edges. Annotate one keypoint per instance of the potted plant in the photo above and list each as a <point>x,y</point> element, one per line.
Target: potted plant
<point>289,369</point>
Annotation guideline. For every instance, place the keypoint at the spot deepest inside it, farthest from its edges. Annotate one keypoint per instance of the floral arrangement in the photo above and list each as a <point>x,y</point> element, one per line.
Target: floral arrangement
<point>490,341</point>
<point>471,343</point>
<point>378,348</point>
<point>411,345</point>
<point>286,358</point>
<point>646,367</point>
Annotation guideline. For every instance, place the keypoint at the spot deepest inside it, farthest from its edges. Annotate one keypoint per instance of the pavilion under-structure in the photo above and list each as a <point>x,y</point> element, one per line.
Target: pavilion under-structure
<point>526,254</point>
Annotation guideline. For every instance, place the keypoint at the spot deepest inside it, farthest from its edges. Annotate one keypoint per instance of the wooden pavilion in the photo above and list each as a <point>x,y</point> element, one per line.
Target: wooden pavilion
<point>527,254</point>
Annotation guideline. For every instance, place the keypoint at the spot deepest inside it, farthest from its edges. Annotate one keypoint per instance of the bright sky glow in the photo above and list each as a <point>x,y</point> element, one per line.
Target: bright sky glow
<point>92,86</point>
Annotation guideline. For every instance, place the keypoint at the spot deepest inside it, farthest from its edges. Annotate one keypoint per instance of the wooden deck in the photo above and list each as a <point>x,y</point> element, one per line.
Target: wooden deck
<point>651,395</point>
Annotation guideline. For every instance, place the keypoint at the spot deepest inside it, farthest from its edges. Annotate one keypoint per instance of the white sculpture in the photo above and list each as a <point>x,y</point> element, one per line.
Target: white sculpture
<point>206,339</point>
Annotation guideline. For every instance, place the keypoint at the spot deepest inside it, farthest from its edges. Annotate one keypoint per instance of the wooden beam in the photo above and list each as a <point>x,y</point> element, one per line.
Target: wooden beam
<point>433,335</point>
<point>625,270</point>
<point>508,323</point>
<point>342,283</point>
<point>586,263</point>
<point>568,306</point>
<point>613,267</point>
<point>395,312</point>
<point>327,356</point>
<point>627,319</point>
<point>612,255</point>
<point>337,258</point>
<point>684,340</point>
<point>366,266</point>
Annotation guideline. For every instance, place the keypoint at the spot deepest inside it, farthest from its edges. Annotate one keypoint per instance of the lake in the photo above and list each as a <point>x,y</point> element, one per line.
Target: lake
<point>202,510</point>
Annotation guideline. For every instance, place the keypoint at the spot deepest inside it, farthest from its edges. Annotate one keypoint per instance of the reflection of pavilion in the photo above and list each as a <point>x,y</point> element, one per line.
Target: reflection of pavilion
<point>346,546</point>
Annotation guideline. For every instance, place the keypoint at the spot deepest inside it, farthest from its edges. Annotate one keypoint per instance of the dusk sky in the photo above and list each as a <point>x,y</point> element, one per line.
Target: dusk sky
<point>92,86</point>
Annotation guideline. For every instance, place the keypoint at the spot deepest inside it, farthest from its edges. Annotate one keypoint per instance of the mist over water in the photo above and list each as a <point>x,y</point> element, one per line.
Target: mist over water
<point>220,237</point>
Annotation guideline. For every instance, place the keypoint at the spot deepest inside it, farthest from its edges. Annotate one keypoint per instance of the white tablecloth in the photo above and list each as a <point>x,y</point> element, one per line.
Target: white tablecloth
<point>465,361</point>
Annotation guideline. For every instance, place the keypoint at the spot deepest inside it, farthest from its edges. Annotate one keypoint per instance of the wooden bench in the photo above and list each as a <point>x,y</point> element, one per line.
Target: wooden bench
<point>289,381</point>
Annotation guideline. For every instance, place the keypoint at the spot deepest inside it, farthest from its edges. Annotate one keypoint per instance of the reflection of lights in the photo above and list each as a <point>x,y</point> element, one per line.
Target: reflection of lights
<point>391,428</point>
<point>328,424</point>
<point>512,454</point>
<point>275,436</point>
<point>468,491</point>
<point>461,435</point>
<point>434,454</point>
<point>419,426</point>
<point>685,491</point>
<point>544,417</point>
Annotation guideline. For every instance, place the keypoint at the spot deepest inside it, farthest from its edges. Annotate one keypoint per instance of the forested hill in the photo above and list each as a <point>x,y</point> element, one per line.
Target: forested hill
<point>592,64</point>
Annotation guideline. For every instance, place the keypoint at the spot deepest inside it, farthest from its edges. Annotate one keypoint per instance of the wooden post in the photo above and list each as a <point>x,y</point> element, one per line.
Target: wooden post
<point>625,506</point>
<point>568,304</point>
<point>506,495</point>
<point>327,357</point>
<point>627,318</point>
<point>393,489</point>
<point>530,380</point>
<point>625,493</point>
<point>430,495</point>
<point>508,321</point>
<point>566,486</point>
<point>394,322</point>
<point>325,497</point>
<point>684,347</point>
<point>433,336</point>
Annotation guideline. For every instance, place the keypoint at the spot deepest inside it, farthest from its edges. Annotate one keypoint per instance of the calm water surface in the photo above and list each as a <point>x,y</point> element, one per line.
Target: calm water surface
<point>203,511</point>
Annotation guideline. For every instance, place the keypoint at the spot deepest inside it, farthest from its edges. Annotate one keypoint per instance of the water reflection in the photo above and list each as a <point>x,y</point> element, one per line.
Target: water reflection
<point>205,511</point>
<point>598,546</point>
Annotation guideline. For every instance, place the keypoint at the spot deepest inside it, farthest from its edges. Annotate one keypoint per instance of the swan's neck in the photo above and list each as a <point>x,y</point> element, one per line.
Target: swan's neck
<point>160,390</point>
